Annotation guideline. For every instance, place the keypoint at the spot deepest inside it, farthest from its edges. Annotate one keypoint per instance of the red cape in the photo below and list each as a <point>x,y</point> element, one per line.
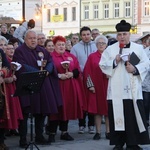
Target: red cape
<point>96,102</point>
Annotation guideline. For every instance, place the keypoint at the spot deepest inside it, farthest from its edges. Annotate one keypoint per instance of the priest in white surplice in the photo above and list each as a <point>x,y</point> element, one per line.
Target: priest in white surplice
<point>126,65</point>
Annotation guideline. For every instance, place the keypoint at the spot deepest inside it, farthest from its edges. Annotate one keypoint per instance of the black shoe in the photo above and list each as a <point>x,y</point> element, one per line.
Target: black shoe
<point>107,135</point>
<point>97,136</point>
<point>3,147</point>
<point>51,138</point>
<point>66,137</point>
<point>42,141</point>
<point>134,147</point>
<point>7,133</point>
<point>14,132</point>
<point>118,147</point>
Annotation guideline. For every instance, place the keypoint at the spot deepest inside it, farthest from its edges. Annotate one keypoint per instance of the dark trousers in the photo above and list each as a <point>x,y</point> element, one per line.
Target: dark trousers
<point>39,124</point>
<point>53,125</point>
<point>131,135</point>
<point>146,101</point>
<point>2,131</point>
<point>82,122</point>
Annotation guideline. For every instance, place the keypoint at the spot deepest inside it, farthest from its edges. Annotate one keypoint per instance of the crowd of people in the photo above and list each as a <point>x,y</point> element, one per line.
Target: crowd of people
<point>88,78</point>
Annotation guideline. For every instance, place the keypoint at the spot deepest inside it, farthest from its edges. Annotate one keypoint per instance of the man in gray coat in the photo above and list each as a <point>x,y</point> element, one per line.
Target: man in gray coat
<point>82,50</point>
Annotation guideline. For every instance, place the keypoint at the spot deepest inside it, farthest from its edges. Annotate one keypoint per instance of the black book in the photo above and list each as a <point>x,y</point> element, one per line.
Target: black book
<point>134,59</point>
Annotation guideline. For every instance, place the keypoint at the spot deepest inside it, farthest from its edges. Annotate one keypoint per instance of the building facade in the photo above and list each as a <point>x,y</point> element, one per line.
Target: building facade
<point>143,16</point>
<point>63,17</point>
<point>105,14</point>
<point>14,9</point>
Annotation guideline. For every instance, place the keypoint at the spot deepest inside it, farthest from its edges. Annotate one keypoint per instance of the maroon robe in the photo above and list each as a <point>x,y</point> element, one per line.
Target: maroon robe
<point>72,89</point>
<point>96,102</point>
<point>14,108</point>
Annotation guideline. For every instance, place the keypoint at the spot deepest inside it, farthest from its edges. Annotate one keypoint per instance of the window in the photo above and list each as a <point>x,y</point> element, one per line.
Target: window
<point>48,15</point>
<point>73,13</point>
<point>95,11</point>
<point>106,11</point>
<point>86,12</point>
<point>116,10</point>
<point>56,11</point>
<point>146,8</point>
<point>65,14</point>
<point>127,9</point>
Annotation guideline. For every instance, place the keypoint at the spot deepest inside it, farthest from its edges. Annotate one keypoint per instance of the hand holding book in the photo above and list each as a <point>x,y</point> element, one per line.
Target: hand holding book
<point>134,59</point>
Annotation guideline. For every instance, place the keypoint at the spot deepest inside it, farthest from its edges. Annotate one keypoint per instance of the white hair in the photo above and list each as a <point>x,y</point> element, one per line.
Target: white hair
<point>2,38</point>
<point>101,37</point>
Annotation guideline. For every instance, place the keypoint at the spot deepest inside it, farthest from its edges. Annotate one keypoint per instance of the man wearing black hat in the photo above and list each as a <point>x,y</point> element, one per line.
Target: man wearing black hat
<point>126,65</point>
<point>21,30</point>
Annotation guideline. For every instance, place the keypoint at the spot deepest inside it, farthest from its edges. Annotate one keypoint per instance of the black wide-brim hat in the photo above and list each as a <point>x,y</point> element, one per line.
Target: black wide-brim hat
<point>123,26</point>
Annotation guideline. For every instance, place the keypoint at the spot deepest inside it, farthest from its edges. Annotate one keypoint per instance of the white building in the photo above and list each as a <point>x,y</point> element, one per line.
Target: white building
<point>63,17</point>
<point>14,8</point>
<point>60,17</point>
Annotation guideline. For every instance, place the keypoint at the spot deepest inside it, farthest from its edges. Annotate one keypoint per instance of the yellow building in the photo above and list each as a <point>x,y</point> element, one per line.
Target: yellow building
<point>105,14</point>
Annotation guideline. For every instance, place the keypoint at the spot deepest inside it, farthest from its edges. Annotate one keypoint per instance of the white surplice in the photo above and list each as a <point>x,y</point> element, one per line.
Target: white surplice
<point>123,85</point>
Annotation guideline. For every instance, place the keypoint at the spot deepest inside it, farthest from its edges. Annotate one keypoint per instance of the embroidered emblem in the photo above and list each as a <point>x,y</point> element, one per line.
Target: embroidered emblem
<point>41,55</point>
<point>70,58</point>
<point>127,88</point>
<point>119,122</point>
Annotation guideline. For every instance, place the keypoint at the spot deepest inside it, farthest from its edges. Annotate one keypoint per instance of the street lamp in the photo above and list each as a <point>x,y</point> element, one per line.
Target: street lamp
<point>39,14</point>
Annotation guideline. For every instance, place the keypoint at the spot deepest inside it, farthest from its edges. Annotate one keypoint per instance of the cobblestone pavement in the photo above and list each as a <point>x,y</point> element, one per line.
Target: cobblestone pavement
<point>81,142</point>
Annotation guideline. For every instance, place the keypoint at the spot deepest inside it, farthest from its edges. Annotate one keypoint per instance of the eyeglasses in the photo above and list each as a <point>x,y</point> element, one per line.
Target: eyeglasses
<point>75,38</point>
<point>95,33</point>
<point>10,48</point>
<point>101,43</point>
<point>3,44</point>
<point>43,38</point>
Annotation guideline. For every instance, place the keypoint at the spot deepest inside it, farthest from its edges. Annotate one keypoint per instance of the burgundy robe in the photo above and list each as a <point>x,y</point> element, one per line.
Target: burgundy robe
<point>96,102</point>
<point>49,100</point>
<point>72,89</point>
<point>13,105</point>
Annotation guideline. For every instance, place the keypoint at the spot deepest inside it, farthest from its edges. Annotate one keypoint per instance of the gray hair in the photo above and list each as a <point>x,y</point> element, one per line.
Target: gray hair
<point>28,31</point>
<point>101,37</point>
<point>95,30</point>
<point>40,33</point>
<point>2,38</point>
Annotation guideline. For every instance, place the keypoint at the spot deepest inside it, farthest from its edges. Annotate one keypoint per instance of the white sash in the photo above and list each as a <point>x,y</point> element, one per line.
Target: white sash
<point>116,87</point>
<point>117,100</point>
<point>134,88</point>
